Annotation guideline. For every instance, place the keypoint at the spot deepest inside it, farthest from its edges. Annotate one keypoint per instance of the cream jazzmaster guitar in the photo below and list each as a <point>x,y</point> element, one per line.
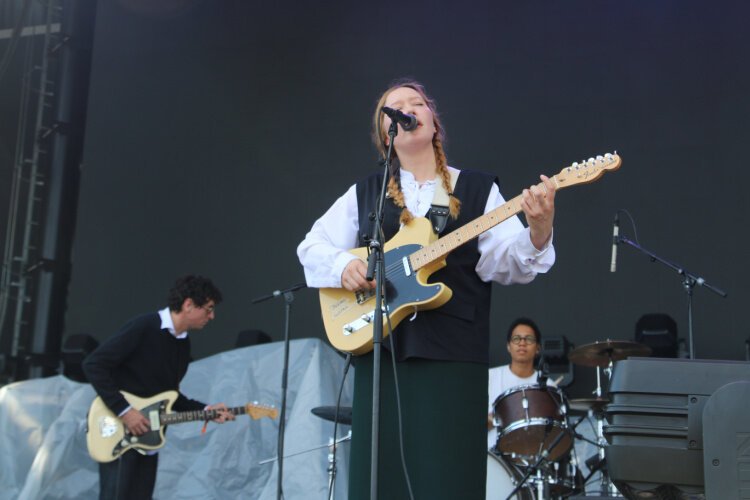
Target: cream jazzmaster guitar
<point>107,437</point>
<point>412,255</point>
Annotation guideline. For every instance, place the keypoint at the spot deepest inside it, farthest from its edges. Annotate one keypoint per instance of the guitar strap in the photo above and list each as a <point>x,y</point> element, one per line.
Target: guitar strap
<point>440,208</point>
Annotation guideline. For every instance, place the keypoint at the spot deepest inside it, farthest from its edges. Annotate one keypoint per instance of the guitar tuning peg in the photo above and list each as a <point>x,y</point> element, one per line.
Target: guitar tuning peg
<point>574,164</point>
<point>608,156</point>
<point>591,160</point>
<point>599,158</point>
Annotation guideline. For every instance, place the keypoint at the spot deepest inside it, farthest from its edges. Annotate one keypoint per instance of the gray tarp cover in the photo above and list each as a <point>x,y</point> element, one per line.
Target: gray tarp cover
<point>43,442</point>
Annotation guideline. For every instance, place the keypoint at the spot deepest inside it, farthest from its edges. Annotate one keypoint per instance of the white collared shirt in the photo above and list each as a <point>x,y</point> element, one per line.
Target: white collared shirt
<point>166,322</point>
<point>506,252</point>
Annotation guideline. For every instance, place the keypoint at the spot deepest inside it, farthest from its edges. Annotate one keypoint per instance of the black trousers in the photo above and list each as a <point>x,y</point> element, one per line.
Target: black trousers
<point>131,476</point>
<point>444,409</point>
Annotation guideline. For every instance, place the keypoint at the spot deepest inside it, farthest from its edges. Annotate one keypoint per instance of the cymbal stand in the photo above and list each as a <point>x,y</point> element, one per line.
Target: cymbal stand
<point>606,487</point>
<point>332,466</point>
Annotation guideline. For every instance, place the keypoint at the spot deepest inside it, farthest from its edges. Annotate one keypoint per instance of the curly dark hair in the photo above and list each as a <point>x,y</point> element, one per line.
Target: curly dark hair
<point>527,322</point>
<point>201,290</point>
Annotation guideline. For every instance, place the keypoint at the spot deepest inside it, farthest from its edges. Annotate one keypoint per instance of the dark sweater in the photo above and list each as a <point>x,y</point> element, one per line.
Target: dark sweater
<point>142,359</point>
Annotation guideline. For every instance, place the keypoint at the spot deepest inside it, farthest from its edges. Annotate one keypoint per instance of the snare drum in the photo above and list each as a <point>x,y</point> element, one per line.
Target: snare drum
<point>529,418</point>
<point>502,478</point>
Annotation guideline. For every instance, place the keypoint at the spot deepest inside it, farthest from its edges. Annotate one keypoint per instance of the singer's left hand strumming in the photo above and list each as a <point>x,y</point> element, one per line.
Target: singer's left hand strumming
<point>538,206</point>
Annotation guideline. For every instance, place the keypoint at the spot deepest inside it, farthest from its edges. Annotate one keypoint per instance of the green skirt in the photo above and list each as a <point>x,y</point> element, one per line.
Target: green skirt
<point>443,409</point>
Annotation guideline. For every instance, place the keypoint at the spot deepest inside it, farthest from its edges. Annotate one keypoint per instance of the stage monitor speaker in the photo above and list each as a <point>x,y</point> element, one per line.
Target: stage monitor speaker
<point>659,332</point>
<point>660,439</point>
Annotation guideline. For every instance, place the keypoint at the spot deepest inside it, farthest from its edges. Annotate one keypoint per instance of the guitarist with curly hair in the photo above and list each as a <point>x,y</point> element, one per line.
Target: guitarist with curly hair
<point>149,355</point>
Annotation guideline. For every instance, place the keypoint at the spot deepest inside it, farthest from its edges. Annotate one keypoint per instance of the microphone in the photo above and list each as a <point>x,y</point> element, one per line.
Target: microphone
<point>615,242</point>
<point>407,122</point>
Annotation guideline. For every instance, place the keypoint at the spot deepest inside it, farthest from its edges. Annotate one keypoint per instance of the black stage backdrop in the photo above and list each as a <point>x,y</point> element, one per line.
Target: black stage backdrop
<point>218,131</point>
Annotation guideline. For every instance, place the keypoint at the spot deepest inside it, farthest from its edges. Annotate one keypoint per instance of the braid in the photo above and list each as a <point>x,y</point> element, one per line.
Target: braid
<point>442,170</point>
<point>395,193</point>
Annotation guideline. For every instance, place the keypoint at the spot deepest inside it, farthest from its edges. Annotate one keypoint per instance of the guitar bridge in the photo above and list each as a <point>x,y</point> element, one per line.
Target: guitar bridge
<point>360,323</point>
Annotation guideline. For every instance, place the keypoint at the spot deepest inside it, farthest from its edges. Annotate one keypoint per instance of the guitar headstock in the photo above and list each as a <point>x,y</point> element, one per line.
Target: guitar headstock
<point>588,170</point>
<point>257,411</point>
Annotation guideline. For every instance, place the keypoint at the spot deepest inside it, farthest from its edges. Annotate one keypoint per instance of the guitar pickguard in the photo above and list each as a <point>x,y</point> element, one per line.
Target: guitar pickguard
<point>349,317</point>
<point>151,439</point>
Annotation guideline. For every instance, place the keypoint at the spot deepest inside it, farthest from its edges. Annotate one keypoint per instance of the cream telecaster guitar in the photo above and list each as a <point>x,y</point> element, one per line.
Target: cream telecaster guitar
<point>412,255</point>
<point>107,438</point>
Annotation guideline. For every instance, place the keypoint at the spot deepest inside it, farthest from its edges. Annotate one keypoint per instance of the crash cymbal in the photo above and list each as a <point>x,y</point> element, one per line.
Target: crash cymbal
<point>600,353</point>
<point>329,413</point>
<point>586,404</point>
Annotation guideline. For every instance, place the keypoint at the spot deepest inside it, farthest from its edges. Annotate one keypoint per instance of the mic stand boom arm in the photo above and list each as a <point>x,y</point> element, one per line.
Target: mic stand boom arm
<point>689,280</point>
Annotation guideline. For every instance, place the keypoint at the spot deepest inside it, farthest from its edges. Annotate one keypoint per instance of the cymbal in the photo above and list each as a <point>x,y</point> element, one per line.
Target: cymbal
<point>586,404</point>
<point>329,413</point>
<point>600,353</point>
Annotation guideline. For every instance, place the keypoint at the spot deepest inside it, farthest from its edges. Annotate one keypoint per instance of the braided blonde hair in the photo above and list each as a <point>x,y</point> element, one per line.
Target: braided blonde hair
<point>379,136</point>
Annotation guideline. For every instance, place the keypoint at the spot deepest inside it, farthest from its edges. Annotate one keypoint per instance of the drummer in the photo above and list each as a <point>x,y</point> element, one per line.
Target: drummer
<point>524,343</point>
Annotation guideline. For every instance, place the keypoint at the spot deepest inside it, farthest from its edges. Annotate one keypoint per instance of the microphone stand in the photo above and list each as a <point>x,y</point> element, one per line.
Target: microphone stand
<point>288,295</point>
<point>375,270</point>
<point>689,280</point>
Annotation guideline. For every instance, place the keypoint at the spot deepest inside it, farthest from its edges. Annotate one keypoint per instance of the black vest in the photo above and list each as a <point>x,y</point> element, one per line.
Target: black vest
<point>459,330</point>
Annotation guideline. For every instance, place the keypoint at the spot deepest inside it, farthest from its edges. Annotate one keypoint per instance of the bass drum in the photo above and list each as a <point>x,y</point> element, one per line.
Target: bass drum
<point>502,478</point>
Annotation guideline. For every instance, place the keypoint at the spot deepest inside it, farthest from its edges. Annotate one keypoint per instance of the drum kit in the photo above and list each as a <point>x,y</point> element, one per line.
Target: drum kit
<point>535,454</point>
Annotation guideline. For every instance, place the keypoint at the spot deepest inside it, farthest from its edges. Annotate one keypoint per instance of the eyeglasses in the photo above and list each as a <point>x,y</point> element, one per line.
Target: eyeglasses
<point>209,309</point>
<point>517,339</point>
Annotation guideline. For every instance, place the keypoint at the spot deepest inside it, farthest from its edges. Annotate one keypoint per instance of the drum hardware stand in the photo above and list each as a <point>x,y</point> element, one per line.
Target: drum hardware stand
<point>606,486</point>
<point>541,483</point>
<point>689,280</point>
<point>342,439</point>
<point>332,463</point>
<point>331,459</point>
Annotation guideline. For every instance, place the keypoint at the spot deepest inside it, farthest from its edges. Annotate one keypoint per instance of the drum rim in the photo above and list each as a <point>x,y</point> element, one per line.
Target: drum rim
<point>536,421</point>
<point>525,387</point>
<point>553,457</point>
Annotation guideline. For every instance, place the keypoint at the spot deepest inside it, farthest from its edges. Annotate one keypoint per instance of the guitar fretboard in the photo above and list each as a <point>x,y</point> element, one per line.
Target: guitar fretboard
<point>577,173</point>
<point>443,246</point>
<point>191,416</point>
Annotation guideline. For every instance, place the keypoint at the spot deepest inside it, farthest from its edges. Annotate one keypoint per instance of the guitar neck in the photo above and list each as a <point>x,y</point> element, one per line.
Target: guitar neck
<point>577,173</point>
<point>191,416</point>
<point>443,246</point>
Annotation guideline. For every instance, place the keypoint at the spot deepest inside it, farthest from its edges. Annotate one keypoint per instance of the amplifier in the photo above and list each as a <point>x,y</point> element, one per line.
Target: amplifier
<point>656,427</point>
